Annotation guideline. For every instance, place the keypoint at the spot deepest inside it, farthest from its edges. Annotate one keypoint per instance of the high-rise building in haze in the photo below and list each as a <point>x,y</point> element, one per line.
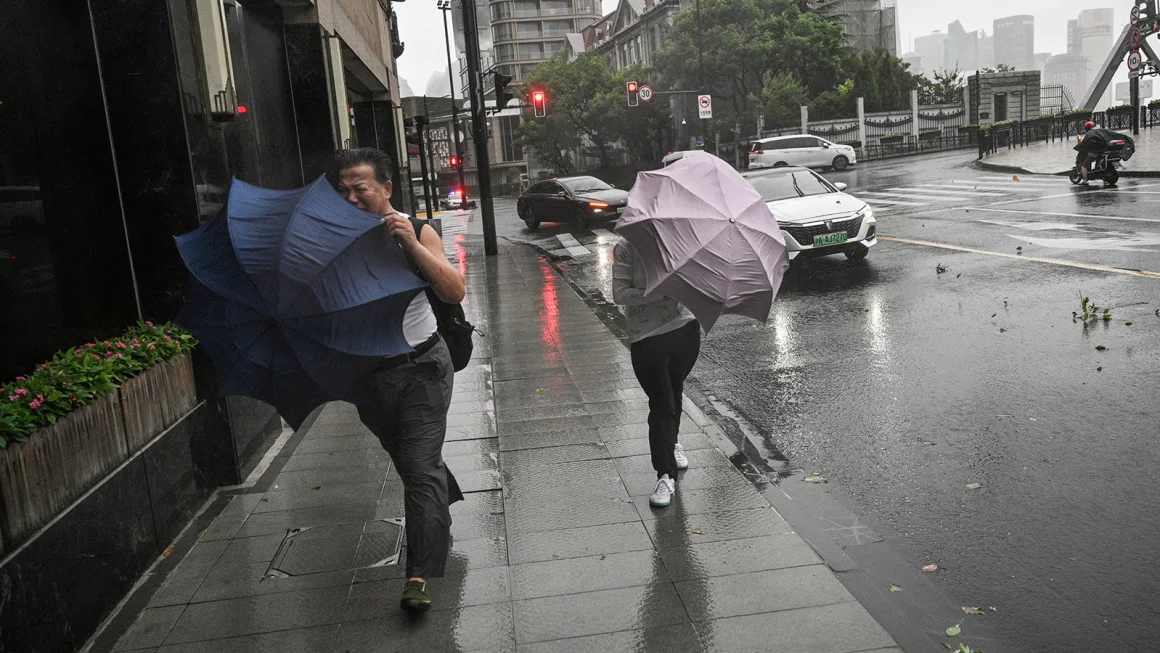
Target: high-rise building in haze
<point>961,49</point>
<point>1015,42</point>
<point>931,49</point>
<point>1070,71</point>
<point>986,50</point>
<point>1092,34</point>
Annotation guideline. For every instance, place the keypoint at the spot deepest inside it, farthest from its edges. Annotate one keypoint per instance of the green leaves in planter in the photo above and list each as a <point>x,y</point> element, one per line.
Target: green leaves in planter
<point>77,377</point>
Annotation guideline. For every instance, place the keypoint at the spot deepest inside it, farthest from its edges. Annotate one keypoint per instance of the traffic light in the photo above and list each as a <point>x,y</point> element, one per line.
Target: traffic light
<point>454,162</point>
<point>502,97</point>
<point>539,100</point>
<point>633,94</point>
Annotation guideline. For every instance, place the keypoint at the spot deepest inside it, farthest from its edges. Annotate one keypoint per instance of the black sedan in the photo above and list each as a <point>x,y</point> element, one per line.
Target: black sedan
<point>581,200</point>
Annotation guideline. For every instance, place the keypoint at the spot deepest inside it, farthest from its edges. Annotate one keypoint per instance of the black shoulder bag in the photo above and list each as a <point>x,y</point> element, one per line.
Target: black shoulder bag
<point>452,321</point>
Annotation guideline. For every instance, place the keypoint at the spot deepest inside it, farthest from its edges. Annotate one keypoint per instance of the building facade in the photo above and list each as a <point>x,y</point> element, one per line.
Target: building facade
<point>931,49</point>
<point>1015,42</point>
<point>517,35</point>
<point>868,24</point>
<point>121,127</point>
<point>1069,71</point>
<point>961,50</point>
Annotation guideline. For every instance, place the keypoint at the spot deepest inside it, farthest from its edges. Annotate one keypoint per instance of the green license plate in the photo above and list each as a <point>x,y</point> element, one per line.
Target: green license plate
<point>830,239</point>
<point>620,210</point>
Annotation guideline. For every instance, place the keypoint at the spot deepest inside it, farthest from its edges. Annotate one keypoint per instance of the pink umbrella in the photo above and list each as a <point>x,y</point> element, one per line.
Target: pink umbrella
<point>706,238</point>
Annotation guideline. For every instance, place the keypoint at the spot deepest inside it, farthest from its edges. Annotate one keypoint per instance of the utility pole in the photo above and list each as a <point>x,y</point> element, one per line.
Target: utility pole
<point>420,127</point>
<point>445,6</point>
<point>701,84</point>
<point>479,125</point>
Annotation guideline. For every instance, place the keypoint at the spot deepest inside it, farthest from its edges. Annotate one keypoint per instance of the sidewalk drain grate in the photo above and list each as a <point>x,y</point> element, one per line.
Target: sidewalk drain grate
<point>339,547</point>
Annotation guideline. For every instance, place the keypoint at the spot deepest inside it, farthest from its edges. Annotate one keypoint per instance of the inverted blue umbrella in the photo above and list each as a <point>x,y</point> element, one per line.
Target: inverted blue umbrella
<point>296,295</point>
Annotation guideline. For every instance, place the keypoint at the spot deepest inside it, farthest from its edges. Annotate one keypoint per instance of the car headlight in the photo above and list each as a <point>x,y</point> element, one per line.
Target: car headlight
<point>866,212</point>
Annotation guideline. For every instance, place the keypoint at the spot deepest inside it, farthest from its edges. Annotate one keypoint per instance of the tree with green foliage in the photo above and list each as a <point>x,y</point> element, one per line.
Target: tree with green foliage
<point>945,88</point>
<point>581,103</point>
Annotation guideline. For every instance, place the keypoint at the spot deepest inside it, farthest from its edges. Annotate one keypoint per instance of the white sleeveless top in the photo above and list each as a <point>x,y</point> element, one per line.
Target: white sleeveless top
<point>419,321</point>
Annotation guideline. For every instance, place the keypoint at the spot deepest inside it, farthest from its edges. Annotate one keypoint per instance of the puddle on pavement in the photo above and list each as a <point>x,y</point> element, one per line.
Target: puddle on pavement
<point>1111,243</point>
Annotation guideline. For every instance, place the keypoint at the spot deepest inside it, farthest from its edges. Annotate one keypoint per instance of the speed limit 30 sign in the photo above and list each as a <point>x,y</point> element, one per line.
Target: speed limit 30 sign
<point>645,93</point>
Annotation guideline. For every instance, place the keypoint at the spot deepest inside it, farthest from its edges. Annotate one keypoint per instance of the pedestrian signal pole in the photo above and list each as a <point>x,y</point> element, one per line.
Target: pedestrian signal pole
<point>479,124</point>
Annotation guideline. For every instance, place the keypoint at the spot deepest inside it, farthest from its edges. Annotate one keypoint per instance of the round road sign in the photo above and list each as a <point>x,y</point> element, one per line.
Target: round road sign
<point>645,93</point>
<point>704,101</point>
<point>1135,14</point>
<point>1134,60</point>
<point>1134,38</point>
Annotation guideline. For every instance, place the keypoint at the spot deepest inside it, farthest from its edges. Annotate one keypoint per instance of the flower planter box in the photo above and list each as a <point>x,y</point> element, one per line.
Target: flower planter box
<point>892,140</point>
<point>154,400</point>
<point>42,475</point>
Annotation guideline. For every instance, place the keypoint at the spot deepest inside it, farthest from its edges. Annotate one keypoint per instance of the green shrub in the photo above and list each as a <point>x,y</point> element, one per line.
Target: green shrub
<point>77,377</point>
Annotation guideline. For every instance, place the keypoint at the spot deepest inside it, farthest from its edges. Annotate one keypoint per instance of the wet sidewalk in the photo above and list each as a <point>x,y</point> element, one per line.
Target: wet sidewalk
<point>555,548</point>
<point>1058,158</point>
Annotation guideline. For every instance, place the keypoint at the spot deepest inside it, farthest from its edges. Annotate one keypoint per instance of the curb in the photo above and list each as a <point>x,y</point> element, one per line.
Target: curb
<point>980,164</point>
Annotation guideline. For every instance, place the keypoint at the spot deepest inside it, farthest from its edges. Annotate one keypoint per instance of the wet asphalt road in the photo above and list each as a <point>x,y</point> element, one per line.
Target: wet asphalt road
<point>902,386</point>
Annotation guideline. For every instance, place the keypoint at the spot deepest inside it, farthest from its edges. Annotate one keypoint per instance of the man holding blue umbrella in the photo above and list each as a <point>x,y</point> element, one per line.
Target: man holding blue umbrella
<point>412,391</point>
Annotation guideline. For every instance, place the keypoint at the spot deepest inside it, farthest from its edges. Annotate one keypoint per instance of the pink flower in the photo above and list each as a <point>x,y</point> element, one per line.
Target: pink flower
<point>152,347</point>
<point>120,355</point>
<point>35,404</point>
<point>75,399</point>
<point>135,345</point>
<point>148,323</point>
<point>21,378</point>
<point>108,354</point>
<point>12,397</point>
<point>96,357</point>
<point>20,391</point>
<point>168,339</point>
<point>90,345</point>
<point>121,345</point>
<point>77,352</point>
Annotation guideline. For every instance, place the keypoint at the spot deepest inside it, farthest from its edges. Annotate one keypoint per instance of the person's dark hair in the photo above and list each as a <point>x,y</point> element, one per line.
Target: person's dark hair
<point>367,156</point>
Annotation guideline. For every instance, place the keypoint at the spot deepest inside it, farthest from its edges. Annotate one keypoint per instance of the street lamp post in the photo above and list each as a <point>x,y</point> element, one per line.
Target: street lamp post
<point>445,6</point>
<point>701,64</point>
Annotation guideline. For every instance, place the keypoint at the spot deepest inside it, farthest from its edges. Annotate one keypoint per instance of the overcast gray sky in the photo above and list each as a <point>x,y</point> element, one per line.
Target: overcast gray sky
<point>421,27</point>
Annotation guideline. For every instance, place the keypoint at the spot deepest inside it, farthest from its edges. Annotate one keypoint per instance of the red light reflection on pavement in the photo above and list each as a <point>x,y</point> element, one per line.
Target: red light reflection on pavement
<point>550,330</point>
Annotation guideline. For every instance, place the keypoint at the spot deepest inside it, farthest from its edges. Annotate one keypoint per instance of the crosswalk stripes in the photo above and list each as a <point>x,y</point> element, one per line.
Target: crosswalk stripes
<point>986,188</point>
<point>603,234</point>
<point>572,246</point>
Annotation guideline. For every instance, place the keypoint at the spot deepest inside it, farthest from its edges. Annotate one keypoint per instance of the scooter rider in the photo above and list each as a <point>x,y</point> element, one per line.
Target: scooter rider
<point>1092,143</point>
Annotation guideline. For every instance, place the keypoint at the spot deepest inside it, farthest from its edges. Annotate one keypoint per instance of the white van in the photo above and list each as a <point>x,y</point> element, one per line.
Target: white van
<point>805,151</point>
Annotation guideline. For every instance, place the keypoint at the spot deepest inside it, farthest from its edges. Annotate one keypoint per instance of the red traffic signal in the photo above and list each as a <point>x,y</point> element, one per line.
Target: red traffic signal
<point>539,101</point>
<point>633,94</point>
<point>454,163</point>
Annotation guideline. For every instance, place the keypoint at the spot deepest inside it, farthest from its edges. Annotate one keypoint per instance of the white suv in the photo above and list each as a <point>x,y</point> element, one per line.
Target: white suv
<point>805,151</point>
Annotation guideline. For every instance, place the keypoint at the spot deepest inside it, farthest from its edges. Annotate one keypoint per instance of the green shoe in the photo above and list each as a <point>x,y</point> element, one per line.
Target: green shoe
<point>415,597</point>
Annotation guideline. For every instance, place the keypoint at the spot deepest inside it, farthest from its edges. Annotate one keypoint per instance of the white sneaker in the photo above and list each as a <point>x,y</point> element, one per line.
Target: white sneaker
<point>682,459</point>
<point>663,495</point>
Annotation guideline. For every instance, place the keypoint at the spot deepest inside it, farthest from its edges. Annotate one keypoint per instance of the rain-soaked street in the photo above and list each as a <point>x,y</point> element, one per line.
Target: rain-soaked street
<point>944,390</point>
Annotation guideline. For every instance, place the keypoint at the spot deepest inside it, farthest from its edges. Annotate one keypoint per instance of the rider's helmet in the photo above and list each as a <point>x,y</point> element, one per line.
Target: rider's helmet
<point>1089,125</point>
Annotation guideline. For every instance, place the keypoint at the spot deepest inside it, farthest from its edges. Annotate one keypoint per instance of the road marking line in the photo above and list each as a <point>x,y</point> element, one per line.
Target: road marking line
<point>573,246</point>
<point>940,192</point>
<point>973,191</point>
<point>1021,257</point>
<point>875,200</point>
<point>1028,180</point>
<point>914,196</point>
<point>1062,215</point>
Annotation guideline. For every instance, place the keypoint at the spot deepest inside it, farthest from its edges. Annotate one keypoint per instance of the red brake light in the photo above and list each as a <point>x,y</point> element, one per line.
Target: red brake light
<point>759,151</point>
<point>1117,142</point>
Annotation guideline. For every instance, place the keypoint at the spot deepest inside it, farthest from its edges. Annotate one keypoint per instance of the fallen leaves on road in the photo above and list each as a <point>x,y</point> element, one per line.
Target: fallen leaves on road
<point>1015,177</point>
<point>974,486</point>
<point>1101,348</point>
<point>1032,419</point>
<point>970,610</point>
<point>930,568</point>
<point>895,588</point>
<point>167,552</point>
<point>1128,323</point>
<point>954,631</point>
<point>540,389</point>
<point>697,531</point>
<point>816,479</point>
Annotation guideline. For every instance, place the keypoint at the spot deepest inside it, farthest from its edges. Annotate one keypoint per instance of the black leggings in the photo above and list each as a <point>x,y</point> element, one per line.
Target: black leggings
<point>661,364</point>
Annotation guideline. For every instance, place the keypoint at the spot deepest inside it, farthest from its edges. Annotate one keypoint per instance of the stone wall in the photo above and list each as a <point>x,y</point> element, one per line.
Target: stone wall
<point>987,90</point>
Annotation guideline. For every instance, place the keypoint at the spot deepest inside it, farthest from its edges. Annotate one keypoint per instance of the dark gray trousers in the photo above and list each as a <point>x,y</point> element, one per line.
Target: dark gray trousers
<point>409,417</point>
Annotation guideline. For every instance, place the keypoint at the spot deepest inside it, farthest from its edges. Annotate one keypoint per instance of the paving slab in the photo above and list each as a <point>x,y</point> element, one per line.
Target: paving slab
<point>554,548</point>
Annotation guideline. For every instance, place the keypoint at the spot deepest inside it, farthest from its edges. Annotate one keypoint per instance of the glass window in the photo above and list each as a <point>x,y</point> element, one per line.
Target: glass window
<point>526,8</point>
<point>531,51</point>
<point>506,52</point>
<point>586,6</point>
<point>780,185</point>
<point>554,188</point>
<point>527,30</point>
<point>583,184</point>
<point>503,32</point>
<point>507,134</point>
<point>527,69</point>
<point>557,27</point>
<point>501,10</point>
<point>556,7</point>
<point>540,188</point>
<point>553,47</point>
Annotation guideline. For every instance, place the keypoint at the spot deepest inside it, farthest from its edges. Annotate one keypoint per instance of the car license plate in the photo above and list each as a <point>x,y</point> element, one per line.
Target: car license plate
<point>830,239</point>
<point>619,210</point>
